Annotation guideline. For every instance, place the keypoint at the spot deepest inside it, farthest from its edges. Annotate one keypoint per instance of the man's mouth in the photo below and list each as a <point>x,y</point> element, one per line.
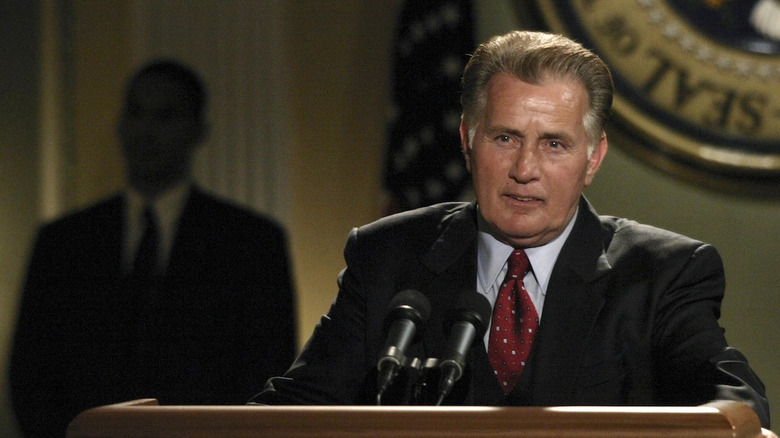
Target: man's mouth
<point>523,198</point>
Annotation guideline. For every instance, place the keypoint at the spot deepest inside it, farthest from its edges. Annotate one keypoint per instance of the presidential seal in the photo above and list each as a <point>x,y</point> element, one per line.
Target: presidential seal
<point>697,81</point>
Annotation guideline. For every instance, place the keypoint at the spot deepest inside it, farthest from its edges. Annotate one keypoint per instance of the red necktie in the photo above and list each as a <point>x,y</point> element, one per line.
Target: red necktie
<point>514,325</point>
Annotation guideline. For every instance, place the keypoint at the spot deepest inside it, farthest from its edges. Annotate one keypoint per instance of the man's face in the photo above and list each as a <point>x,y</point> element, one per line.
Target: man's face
<point>158,130</point>
<point>529,158</point>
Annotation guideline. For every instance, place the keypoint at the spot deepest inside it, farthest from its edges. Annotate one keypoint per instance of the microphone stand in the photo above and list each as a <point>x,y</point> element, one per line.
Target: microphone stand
<point>419,379</point>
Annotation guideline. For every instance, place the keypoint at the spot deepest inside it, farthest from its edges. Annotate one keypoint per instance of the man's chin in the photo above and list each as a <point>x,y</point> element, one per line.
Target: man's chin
<point>524,238</point>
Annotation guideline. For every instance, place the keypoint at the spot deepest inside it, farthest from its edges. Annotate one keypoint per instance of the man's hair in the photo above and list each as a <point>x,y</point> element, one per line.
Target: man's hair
<point>174,71</point>
<point>537,57</point>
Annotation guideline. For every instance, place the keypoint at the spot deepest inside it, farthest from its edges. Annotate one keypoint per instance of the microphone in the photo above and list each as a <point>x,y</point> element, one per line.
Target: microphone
<point>471,319</point>
<point>407,312</point>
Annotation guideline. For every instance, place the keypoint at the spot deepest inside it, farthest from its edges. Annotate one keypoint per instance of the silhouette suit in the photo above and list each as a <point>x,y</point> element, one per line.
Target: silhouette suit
<point>221,321</point>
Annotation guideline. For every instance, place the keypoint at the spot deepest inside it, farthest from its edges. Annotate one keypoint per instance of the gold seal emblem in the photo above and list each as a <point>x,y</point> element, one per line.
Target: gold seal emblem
<point>697,81</point>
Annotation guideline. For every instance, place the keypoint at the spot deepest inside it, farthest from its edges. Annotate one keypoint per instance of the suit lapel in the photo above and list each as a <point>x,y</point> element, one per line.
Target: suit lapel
<point>451,264</point>
<point>189,243</point>
<point>456,240</point>
<point>575,297</point>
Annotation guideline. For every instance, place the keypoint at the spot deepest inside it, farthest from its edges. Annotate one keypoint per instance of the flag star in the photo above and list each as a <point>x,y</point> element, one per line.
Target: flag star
<point>454,170</point>
<point>411,147</point>
<point>433,23</point>
<point>400,161</point>
<point>451,66</point>
<point>434,188</point>
<point>452,122</point>
<point>450,14</point>
<point>427,135</point>
<point>412,195</point>
<point>417,32</point>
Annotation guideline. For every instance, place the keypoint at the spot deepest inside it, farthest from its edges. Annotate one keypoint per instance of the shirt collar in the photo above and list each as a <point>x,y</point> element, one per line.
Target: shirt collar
<point>168,204</point>
<point>493,254</point>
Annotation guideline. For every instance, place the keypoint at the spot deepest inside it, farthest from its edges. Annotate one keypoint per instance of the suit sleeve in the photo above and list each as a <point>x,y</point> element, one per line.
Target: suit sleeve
<point>698,366</point>
<point>331,369</point>
<point>41,408</point>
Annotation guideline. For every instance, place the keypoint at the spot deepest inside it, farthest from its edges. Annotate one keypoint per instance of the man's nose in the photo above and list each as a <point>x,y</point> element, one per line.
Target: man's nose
<point>525,166</point>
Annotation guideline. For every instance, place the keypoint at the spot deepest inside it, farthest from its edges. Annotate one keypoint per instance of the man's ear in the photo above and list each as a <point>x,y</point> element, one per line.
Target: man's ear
<point>464,145</point>
<point>594,163</point>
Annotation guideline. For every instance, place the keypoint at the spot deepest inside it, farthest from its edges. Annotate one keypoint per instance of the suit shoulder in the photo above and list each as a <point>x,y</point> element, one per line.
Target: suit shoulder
<point>208,207</point>
<point>627,233</point>
<point>428,219</point>
<point>94,216</point>
<point>403,243</point>
<point>624,226</point>
<point>411,232</point>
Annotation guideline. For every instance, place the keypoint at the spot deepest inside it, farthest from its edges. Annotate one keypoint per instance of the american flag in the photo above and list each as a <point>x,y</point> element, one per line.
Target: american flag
<point>423,162</point>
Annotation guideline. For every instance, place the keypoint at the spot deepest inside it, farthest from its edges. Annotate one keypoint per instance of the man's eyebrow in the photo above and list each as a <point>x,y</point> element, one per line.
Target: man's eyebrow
<point>492,130</point>
<point>556,134</point>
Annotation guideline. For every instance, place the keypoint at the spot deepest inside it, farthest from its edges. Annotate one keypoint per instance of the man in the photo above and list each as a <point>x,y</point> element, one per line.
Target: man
<point>202,317</point>
<point>627,314</point>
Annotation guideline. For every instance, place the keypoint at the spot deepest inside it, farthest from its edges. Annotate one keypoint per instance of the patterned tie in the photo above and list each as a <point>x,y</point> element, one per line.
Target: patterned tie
<point>511,335</point>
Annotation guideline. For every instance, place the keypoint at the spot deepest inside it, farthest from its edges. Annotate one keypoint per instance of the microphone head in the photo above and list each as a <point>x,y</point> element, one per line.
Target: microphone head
<point>473,308</point>
<point>409,304</point>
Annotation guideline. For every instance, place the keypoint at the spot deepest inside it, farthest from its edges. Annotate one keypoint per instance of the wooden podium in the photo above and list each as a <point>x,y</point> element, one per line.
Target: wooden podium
<point>145,418</point>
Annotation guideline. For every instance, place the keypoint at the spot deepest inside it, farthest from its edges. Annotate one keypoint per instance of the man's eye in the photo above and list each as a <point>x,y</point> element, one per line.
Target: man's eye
<point>503,138</point>
<point>554,144</point>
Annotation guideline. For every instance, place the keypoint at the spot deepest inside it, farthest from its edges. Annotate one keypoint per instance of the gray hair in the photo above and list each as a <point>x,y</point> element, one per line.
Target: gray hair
<point>536,57</point>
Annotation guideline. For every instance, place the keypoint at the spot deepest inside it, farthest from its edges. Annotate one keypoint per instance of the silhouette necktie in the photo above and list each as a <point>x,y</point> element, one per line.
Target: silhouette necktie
<point>145,262</point>
<point>142,284</point>
<point>514,324</point>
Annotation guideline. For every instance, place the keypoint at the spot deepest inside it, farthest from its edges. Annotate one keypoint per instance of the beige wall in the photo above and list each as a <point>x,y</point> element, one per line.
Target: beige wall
<point>337,58</point>
<point>338,111</point>
<point>101,64</point>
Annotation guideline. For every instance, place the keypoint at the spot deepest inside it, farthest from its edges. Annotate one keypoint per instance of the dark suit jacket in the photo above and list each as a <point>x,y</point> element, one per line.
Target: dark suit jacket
<point>630,318</point>
<point>222,322</point>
